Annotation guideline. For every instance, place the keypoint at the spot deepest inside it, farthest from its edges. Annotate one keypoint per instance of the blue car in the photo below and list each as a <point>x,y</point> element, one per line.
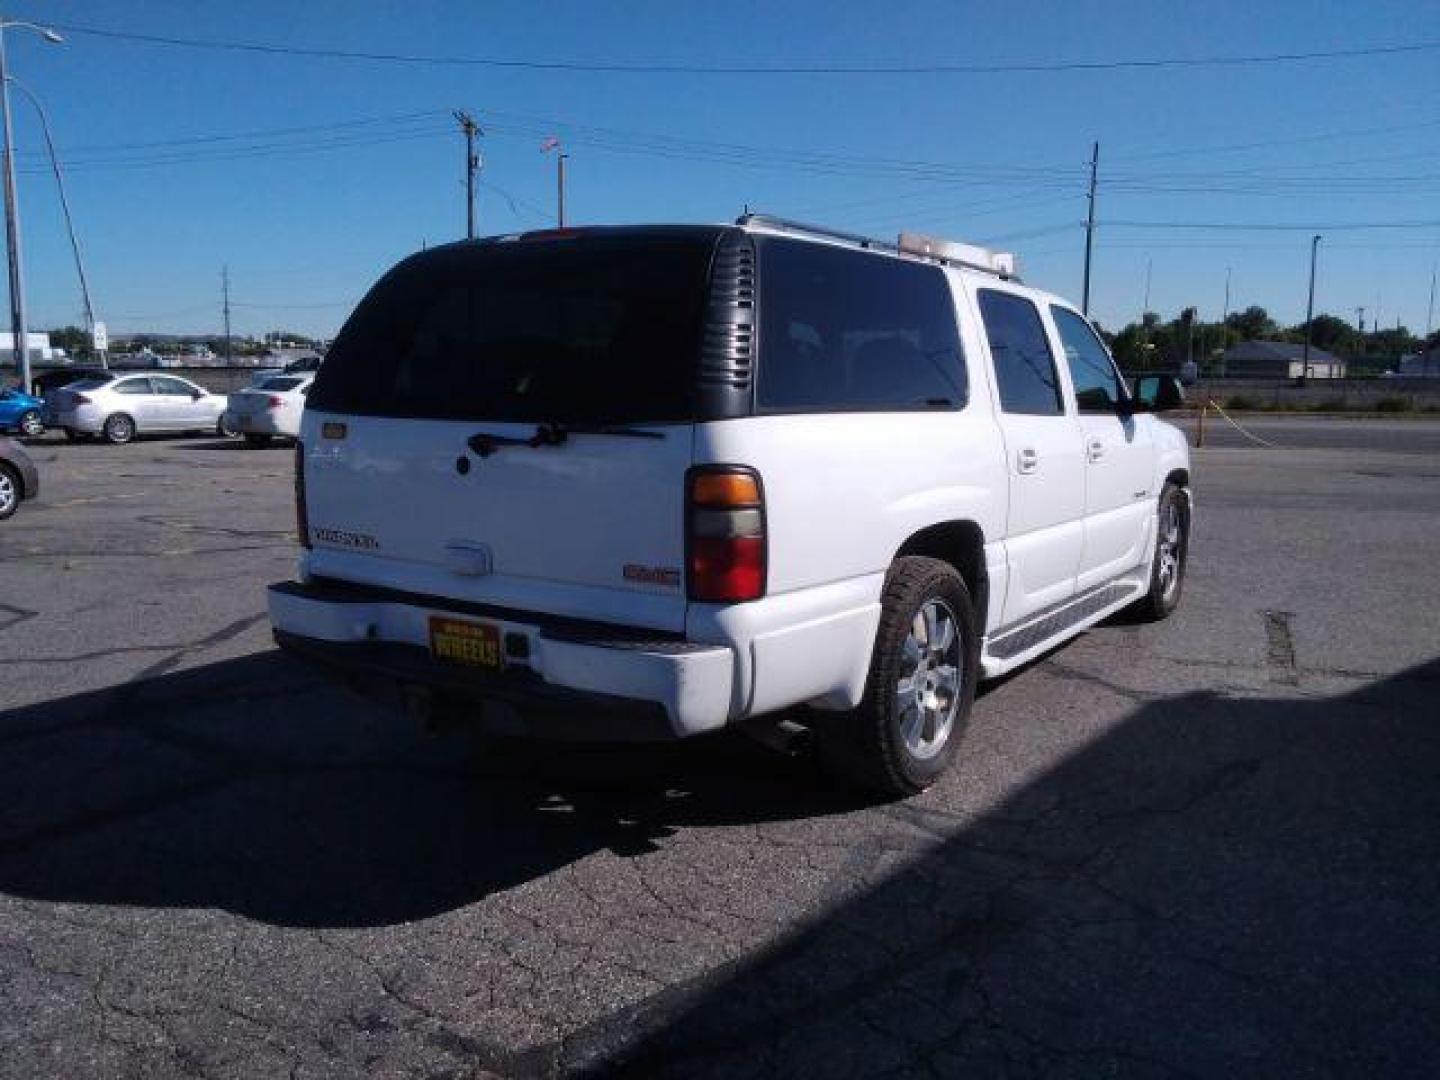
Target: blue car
<point>20,412</point>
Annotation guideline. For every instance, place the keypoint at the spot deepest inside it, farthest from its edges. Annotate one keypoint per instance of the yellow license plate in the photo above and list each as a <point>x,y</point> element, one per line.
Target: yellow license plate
<point>470,644</point>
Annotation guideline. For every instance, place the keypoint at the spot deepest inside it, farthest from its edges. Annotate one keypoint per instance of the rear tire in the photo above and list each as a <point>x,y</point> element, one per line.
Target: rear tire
<point>9,491</point>
<point>119,429</point>
<point>920,688</point>
<point>1172,545</point>
<point>30,424</point>
<point>256,441</point>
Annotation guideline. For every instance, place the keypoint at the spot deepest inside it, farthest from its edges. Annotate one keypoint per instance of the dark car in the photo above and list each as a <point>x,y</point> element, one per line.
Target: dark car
<point>18,478</point>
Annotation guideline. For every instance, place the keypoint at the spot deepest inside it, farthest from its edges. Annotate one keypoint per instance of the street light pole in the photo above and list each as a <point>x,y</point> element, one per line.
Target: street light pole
<point>1309,310</point>
<point>64,206</point>
<point>12,207</point>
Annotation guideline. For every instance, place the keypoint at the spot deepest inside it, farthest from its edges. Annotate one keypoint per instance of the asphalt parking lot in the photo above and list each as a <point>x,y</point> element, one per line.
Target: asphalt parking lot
<point>1207,847</point>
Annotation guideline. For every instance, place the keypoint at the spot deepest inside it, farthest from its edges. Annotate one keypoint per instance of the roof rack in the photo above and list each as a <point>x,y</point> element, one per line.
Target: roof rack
<point>1002,264</point>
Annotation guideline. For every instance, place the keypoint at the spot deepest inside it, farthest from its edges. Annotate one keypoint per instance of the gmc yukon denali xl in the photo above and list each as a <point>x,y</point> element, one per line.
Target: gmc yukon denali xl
<point>652,481</point>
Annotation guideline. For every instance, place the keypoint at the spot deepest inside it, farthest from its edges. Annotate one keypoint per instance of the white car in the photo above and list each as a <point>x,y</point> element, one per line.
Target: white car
<point>270,409</point>
<point>658,480</point>
<point>145,403</point>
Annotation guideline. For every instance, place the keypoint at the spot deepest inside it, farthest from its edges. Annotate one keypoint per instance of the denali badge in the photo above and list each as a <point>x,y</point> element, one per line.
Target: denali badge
<point>345,538</point>
<point>652,575</point>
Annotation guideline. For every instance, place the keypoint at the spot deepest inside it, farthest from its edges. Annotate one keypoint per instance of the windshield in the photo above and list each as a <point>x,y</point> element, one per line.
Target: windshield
<point>592,329</point>
<point>86,384</point>
<point>279,384</point>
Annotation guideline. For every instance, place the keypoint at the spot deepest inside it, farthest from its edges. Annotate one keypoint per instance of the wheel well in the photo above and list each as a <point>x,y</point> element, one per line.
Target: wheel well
<point>962,545</point>
<point>1180,477</point>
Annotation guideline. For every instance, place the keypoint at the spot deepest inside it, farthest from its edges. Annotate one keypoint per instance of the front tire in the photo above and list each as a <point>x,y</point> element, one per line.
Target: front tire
<point>225,427</point>
<point>920,688</point>
<point>1172,546</point>
<point>30,424</point>
<point>119,429</point>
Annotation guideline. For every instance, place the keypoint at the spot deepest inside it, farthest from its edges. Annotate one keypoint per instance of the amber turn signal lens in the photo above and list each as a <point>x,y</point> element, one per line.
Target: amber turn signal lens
<point>725,489</point>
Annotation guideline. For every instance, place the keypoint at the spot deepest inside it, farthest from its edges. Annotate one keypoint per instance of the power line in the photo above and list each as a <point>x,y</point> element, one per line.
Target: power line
<point>1272,226</point>
<point>675,68</point>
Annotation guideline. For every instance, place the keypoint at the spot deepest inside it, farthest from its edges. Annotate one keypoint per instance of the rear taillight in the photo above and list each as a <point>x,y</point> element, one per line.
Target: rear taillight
<point>273,402</point>
<point>725,526</point>
<point>302,518</point>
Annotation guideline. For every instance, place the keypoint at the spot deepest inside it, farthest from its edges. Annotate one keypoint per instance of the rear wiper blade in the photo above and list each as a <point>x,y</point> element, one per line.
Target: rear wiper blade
<point>486,443</point>
<point>555,433</point>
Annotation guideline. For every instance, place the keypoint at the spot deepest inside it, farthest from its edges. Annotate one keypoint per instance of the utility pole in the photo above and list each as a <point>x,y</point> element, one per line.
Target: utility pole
<point>560,184</point>
<point>1309,311</point>
<point>472,165</point>
<point>1360,318</point>
<point>1430,312</point>
<point>1090,229</point>
<point>1225,323</point>
<point>553,143</point>
<point>225,305</point>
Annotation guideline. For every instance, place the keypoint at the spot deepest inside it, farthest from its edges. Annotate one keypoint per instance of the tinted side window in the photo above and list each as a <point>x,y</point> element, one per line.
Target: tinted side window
<point>848,331</point>
<point>133,386</point>
<point>1024,364</point>
<point>174,387</point>
<point>1097,388</point>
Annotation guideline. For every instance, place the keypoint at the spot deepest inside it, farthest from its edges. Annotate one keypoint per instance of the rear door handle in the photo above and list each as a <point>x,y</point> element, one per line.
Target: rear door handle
<point>1027,460</point>
<point>1096,450</point>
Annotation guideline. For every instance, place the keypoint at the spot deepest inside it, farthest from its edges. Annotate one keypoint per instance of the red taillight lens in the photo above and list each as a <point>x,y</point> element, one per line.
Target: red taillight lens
<point>274,402</point>
<point>726,535</point>
<point>302,518</point>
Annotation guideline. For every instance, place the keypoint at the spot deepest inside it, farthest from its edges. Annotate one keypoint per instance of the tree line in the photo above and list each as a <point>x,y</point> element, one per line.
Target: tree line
<point>1150,343</point>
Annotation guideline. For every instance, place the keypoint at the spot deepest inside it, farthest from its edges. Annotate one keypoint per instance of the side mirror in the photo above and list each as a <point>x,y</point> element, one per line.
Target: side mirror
<point>1158,393</point>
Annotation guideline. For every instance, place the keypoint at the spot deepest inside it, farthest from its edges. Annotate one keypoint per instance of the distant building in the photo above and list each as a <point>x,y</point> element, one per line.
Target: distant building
<point>1281,360</point>
<point>37,345</point>
<point>1422,364</point>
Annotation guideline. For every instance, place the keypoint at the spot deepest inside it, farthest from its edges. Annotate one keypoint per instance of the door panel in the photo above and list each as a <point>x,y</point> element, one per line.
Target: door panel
<point>1118,455</point>
<point>1044,456</point>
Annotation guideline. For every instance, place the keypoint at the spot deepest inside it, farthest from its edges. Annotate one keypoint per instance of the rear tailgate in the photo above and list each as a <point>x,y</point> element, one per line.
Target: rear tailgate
<point>419,473</point>
<point>593,528</point>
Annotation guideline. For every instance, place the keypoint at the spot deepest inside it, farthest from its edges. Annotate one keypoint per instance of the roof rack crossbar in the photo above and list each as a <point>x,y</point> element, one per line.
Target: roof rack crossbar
<point>916,247</point>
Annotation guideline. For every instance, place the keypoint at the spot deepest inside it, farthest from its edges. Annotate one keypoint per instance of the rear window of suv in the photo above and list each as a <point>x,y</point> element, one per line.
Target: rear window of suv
<point>586,329</point>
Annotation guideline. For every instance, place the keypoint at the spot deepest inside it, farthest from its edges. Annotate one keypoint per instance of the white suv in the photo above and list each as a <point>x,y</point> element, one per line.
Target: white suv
<point>656,480</point>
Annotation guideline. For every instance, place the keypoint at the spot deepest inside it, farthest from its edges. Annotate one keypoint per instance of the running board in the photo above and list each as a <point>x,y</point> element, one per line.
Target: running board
<point>1071,613</point>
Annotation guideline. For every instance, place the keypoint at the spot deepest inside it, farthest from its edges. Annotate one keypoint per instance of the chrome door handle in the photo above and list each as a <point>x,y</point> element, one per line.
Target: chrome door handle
<point>1027,461</point>
<point>1096,450</point>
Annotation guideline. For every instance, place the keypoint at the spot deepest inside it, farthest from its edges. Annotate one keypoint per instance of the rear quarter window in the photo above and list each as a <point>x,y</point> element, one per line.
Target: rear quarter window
<point>844,330</point>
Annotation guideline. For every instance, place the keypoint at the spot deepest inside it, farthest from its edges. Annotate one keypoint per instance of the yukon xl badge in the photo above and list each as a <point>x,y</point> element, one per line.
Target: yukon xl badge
<point>652,575</point>
<point>346,538</point>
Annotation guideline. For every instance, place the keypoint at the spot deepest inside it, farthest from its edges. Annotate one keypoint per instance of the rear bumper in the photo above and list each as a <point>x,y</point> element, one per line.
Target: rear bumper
<point>264,423</point>
<point>576,681</point>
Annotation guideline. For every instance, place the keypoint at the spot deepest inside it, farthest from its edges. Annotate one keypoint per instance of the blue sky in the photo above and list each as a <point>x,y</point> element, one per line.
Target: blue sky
<point>305,220</point>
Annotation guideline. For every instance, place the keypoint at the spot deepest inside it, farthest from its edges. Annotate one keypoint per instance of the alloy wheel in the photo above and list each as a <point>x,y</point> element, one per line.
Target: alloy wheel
<point>928,693</point>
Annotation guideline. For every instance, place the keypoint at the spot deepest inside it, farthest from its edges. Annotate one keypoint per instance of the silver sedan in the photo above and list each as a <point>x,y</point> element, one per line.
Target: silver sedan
<point>141,404</point>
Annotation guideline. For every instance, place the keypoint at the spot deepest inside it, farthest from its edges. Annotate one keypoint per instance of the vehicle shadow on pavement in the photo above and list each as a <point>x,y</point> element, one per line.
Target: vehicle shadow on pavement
<point>254,787</point>
<point>1220,886</point>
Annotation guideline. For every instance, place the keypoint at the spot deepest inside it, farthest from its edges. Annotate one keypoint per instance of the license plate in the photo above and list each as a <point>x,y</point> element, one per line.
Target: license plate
<point>469,644</point>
